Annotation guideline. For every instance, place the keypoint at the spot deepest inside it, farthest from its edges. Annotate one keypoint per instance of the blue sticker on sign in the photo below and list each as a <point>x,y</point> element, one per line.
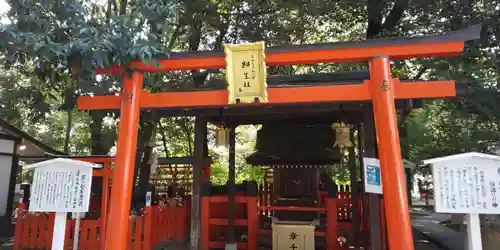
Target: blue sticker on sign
<point>373,175</point>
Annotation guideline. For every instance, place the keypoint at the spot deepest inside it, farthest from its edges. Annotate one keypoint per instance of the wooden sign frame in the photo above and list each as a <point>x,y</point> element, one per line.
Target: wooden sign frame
<point>246,86</point>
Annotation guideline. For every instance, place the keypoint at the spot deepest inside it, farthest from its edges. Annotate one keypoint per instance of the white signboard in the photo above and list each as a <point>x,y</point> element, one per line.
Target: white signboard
<point>60,188</point>
<point>148,199</point>
<point>373,177</point>
<point>467,186</point>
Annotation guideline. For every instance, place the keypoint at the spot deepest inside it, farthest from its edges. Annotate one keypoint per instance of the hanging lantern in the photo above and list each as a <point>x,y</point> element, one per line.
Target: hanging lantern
<point>222,137</point>
<point>342,138</point>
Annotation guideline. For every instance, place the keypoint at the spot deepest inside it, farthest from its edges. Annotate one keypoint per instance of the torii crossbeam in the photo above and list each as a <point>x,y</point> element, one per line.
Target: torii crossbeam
<point>381,89</point>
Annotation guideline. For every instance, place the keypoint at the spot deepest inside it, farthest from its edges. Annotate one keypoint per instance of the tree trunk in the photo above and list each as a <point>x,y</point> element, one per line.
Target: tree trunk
<point>68,131</point>
<point>145,166</point>
<point>97,147</point>
<point>163,138</point>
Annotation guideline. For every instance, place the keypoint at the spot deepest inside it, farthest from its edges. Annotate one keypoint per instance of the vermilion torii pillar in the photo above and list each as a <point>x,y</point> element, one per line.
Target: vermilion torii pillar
<point>123,173</point>
<point>381,89</point>
<point>389,151</point>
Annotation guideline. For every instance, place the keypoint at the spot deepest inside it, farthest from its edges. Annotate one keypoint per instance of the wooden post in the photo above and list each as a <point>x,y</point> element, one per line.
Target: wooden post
<point>331,226</point>
<point>368,145</point>
<point>354,192</point>
<point>409,184</point>
<point>363,199</point>
<point>207,172</point>
<point>231,188</point>
<point>200,133</point>
<point>121,192</point>
<point>207,169</point>
<point>383,226</point>
<point>104,202</point>
<point>148,229</point>
<point>205,225</point>
<point>253,222</point>
<point>391,164</point>
<point>18,234</point>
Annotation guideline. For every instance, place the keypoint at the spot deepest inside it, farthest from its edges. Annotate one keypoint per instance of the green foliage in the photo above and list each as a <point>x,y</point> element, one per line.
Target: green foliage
<point>49,47</point>
<point>245,144</point>
<point>61,35</point>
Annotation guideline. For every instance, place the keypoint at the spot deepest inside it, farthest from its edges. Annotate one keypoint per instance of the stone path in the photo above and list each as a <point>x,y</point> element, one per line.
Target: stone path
<point>428,224</point>
<point>422,242</point>
<point>425,232</point>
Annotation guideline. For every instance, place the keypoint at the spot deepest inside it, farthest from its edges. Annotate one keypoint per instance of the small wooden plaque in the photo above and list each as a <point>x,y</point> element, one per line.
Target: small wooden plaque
<point>293,236</point>
<point>246,72</point>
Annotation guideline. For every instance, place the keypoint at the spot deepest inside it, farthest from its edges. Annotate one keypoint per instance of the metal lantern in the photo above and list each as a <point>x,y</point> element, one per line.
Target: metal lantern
<point>342,138</point>
<point>222,137</point>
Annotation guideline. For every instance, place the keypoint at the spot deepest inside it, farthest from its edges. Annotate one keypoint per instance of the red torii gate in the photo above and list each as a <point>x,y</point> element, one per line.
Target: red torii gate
<point>381,89</point>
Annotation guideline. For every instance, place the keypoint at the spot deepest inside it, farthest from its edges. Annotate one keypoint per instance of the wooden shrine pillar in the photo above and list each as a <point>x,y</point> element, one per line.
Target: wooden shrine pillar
<point>371,206</point>
<point>123,174</point>
<point>200,135</point>
<point>207,172</point>
<point>381,87</point>
<point>230,241</point>
<point>353,169</point>
<point>207,167</point>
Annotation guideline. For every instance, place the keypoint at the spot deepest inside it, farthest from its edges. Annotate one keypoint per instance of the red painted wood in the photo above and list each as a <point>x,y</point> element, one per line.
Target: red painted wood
<point>332,234</point>
<point>205,226</point>
<point>253,222</point>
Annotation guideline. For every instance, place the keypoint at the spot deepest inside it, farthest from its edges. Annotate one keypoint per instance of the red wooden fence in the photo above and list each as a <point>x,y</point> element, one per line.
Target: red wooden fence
<point>248,216</point>
<point>156,224</point>
<point>212,217</point>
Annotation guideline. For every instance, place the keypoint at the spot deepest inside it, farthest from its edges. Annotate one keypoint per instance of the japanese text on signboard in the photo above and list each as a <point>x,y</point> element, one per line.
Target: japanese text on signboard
<point>245,72</point>
<point>467,188</point>
<point>293,238</point>
<point>61,190</point>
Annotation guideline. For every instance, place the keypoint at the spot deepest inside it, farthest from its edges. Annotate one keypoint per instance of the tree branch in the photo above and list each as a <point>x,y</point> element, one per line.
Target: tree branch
<point>223,28</point>
<point>174,37</point>
<point>420,73</point>
<point>163,138</point>
<point>187,132</point>
<point>375,17</point>
<point>123,7</point>
<point>108,10</point>
<point>395,15</point>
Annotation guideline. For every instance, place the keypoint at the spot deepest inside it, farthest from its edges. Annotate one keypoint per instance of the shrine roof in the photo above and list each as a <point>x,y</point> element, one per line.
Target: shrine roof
<point>262,160</point>
<point>295,143</point>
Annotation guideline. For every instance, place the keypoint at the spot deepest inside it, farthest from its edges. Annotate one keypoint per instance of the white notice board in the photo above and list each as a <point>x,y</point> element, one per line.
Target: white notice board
<point>373,177</point>
<point>467,186</point>
<point>60,188</point>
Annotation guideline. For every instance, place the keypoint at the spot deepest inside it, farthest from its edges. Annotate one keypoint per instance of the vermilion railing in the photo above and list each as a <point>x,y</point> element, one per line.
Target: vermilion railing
<point>154,225</point>
<point>247,215</point>
<point>344,203</point>
<point>213,216</point>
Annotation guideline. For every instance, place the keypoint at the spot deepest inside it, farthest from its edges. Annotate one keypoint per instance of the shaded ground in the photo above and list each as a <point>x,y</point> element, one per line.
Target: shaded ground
<point>422,242</point>
<point>430,225</point>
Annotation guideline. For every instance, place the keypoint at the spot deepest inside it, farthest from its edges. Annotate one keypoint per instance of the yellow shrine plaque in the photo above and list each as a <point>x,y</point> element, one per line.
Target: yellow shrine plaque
<point>246,72</point>
<point>293,237</point>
